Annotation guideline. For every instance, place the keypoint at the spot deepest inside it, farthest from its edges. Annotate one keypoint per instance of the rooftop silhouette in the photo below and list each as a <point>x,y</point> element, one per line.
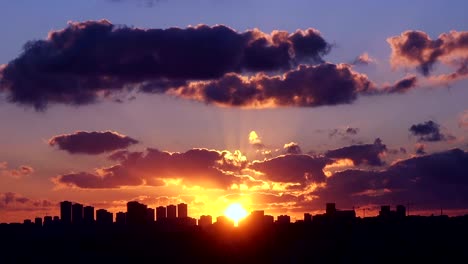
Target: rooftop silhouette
<point>142,233</point>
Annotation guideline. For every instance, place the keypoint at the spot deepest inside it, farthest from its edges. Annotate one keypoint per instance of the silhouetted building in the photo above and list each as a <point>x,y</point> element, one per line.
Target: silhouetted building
<point>182,211</point>
<point>103,217</point>
<point>136,213</point>
<point>120,218</point>
<point>66,212</point>
<point>223,221</point>
<point>255,219</point>
<point>27,222</point>
<point>77,213</point>
<point>48,220</point>
<point>307,218</point>
<point>160,213</point>
<point>401,211</point>
<point>149,215</point>
<point>38,221</point>
<point>171,211</point>
<point>330,208</point>
<point>384,211</point>
<point>387,214</point>
<point>205,221</point>
<point>88,214</point>
<point>284,219</point>
<point>268,219</point>
<point>56,220</point>
<point>333,215</point>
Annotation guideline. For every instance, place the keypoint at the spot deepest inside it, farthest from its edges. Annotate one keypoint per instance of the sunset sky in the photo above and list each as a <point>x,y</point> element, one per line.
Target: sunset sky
<point>276,105</point>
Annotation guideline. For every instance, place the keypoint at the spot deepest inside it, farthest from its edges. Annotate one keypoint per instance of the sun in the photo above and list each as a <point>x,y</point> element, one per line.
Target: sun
<point>235,212</point>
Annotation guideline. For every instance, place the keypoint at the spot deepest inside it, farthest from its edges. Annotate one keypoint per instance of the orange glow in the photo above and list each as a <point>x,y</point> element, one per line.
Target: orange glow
<point>235,212</point>
<point>341,163</point>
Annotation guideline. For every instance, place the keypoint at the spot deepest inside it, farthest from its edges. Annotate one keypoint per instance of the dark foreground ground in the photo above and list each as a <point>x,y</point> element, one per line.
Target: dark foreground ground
<point>419,240</point>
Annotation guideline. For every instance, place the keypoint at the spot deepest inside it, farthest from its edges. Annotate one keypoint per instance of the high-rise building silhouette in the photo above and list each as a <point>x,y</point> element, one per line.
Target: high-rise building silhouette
<point>401,211</point>
<point>38,221</point>
<point>182,211</point>
<point>120,218</point>
<point>149,215</point>
<point>268,219</point>
<point>171,211</point>
<point>284,219</point>
<point>205,221</point>
<point>160,213</point>
<point>103,217</point>
<point>77,213</point>
<point>88,215</point>
<point>66,212</point>
<point>136,213</point>
<point>385,211</point>
<point>307,218</point>
<point>48,220</point>
<point>330,209</point>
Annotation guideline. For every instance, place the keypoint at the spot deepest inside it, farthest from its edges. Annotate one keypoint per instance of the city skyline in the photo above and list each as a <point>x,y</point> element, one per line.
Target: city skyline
<point>266,105</point>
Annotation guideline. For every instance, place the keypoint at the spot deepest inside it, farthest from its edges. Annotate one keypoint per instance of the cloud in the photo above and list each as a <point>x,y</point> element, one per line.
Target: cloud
<point>436,180</point>
<point>429,131</point>
<point>91,143</point>
<point>344,133</point>
<point>307,86</point>
<point>19,172</point>
<point>196,167</point>
<point>363,59</point>
<point>16,202</point>
<point>403,85</point>
<point>416,48</point>
<point>368,154</point>
<point>292,148</point>
<point>301,169</point>
<point>86,60</point>
<point>255,140</point>
<point>420,149</point>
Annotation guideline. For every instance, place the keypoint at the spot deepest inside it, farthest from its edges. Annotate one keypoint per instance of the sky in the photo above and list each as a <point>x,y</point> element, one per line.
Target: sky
<point>280,106</point>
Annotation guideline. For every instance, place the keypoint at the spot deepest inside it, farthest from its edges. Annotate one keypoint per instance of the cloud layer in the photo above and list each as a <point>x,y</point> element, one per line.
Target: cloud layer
<point>92,143</point>
<point>429,131</point>
<point>201,167</point>
<point>74,65</point>
<point>367,154</point>
<point>439,179</point>
<point>308,86</point>
<point>417,49</point>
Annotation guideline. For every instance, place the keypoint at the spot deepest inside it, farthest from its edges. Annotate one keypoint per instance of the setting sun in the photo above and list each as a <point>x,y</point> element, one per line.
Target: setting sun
<point>235,212</point>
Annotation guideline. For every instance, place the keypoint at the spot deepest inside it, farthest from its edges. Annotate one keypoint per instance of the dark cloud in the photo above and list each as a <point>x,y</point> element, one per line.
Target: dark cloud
<point>292,148</point>
<point>402,86</point>
<point>92,143</point>
<point>292,168</point>
<point>431,181</point>
<point>308,86</point>
<point>368,154</point>
<point>77,64</point>
<point>352,130</point>
<point>429,131</point>
<point>202,167</point>
<point>16,202</point>
<point>416,48</point>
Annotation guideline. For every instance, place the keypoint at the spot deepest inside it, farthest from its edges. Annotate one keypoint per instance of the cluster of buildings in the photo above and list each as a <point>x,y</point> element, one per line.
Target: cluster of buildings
<point>139,214</point>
